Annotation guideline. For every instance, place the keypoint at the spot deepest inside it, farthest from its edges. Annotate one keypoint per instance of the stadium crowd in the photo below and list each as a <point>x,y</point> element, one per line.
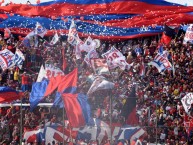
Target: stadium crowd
<point>159,109</point>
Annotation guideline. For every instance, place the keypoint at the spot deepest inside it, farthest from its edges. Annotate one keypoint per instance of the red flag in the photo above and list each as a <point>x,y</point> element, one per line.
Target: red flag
<point>69,81</point>
<point>73,110</point>
<point>53,84</point>
<point>67,88</point>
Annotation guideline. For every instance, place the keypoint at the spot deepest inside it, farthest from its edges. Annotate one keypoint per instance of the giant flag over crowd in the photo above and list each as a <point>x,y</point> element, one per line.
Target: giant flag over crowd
<point>108,19</point>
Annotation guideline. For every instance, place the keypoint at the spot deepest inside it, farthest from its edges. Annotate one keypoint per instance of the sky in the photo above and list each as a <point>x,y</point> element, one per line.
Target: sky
<point>182,2</point>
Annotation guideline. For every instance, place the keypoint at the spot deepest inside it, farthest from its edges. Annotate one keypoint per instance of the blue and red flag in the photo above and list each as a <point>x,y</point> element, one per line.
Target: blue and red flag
<point>129,108</point>
<point>8,94</point>
<point>167,35</point>
<point>68,88</point>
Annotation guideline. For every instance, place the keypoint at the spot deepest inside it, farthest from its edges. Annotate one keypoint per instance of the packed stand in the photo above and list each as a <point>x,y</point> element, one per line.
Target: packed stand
<point>158,95</point>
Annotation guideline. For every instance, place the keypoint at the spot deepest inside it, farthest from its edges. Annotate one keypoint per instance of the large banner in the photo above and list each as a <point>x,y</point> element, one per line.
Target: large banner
<point>100,131</point>
<point>189,35</point>
<point>49,71</point>
<point>6,59</point>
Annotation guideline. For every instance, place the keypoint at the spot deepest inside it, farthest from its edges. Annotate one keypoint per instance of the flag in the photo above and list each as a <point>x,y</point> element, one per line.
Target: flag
<point>91,54</point>
<point>33,135</point>
<point>6,59</point>
<point>115,59</point>
<point>100,66</point>
<point>83,101</point>
<point>160,49</point>
<point>88,45</point>
<point>130,133</point>
<point>19,58</point>
<point>188,124</point>
<point>142,68</point>
<point>7,33</point>
<point>41,74</point>
<point>167,35</point>
<point>48,72</point>
<point>40,30</point>
<point>68,88</point>
<point>74,39</point>
<point>187,100</point>
<point>8,94</point>
<point>26,40</point>
<point>58,102</point>
<point>188,36</point>
<point>138,51</point>
<point>54,39</point>
<point>129,108</point>
<point>161,62</point>
<point>100,84</point>
<point>37,93</point>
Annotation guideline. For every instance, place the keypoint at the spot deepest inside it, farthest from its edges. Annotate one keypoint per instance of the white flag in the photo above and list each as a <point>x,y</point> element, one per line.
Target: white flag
<point>187,100</point>
<point>188,36</point>
<point>100,84</point>
<point>54,39</point>
<point>6,59</point>
<point>115,59</point>
<point>39,30</point>
<point>42,74</point>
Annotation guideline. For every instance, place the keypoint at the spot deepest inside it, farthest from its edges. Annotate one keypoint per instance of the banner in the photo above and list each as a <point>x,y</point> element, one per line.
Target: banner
<point>49,71</point>
<point>189,35</point>
<point>19,58</point>
<point>100,66</point>
<point>187,100</point>
<point>6,59</point>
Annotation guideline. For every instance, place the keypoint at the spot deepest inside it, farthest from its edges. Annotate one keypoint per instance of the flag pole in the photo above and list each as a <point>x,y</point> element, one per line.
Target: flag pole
<point>110,94</point>
<point>21,114</point>
<point>63,125</point>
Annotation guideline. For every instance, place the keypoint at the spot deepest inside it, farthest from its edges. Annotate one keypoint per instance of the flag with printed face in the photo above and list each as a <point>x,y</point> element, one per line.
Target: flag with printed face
<point>40,30</point>
<point>115,59</point>
<point>90,55</point>
<point>54,39</point>
<point>187,100</point>
<point>100,84</point>
<point>7,33</point>
<point>88,45</point>
<point>188,36</point>
<point>19,58</point>
<point>161,62</point>
<point>100,66</point>
<point>6,59</point>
